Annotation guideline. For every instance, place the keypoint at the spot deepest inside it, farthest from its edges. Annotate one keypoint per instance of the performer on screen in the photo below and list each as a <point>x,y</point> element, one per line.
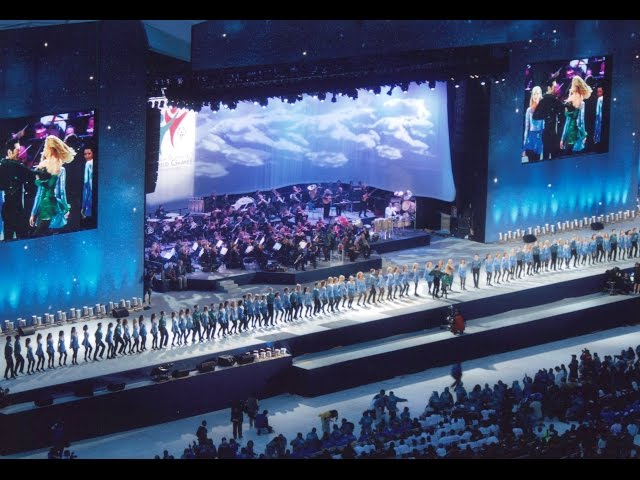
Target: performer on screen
<point>87,188</point>
<point>574,134</point>
<point>51,209</point>
<point>550,109</point>
<point>14,176</point>
<point>532,146</point>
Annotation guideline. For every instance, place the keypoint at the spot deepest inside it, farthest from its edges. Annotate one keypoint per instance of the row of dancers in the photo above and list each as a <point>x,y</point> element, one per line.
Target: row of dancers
<point>324,297</point>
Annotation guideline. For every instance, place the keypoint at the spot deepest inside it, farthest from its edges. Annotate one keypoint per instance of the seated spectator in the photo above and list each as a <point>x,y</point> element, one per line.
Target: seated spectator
<point>297,443</point>
<point>312,442</point>
<point>262,423</point>
<point>346,427</point>
<point>348,451</point>
<point>365,423</point>
<point>166,456</point>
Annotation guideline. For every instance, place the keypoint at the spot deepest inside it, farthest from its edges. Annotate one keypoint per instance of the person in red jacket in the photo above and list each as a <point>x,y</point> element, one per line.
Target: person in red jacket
<point>457,328</point>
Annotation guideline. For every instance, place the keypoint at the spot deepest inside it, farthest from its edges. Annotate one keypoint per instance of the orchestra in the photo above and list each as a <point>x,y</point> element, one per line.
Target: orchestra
<point>265,229</point>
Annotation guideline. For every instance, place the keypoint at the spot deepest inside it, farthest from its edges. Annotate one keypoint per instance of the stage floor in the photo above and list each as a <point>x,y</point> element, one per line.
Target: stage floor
<point>440,248</point>
<point>177,300</point>
<point>484,324</point>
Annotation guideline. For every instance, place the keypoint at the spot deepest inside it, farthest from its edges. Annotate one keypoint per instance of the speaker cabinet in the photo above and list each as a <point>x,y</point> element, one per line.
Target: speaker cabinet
<point>119,312</point>
<point>205,367</point>
<point>226,361</point>
<point>26,331</point>
<point>180,373</point>
<point>245,358</point>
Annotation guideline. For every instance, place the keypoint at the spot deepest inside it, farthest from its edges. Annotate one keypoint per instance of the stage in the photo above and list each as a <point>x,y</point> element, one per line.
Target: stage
<point>415,320</point>
<point>412,315</point>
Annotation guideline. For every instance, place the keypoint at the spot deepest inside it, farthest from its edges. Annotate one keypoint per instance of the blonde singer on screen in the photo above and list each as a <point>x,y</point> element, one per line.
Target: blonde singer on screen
<point>532,145</point>
<point>51,209</point>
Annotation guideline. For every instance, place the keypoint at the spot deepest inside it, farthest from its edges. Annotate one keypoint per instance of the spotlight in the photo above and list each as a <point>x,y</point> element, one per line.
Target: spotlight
<point>457,86</point>
<point>377,90</point>
<point>390,92</point>
<point>432,84</point>
<point>322,96</point>
<point>482,82</point>
<point>405,87</point>
<point>333,99</point>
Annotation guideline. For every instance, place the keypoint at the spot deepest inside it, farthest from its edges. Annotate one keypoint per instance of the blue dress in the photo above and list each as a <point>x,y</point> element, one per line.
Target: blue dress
<point>87,193</point>
<point>532,133</point>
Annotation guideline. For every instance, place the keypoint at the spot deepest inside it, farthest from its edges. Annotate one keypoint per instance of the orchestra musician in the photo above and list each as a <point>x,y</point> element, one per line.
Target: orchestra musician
<point>364,201</point>
<point>295,195</point>
<point>363,244</point>
<point>261,201</point>
<point>312,194</point>
<point>390,211</point>
<point>338,198</point>
<point>327,198</point>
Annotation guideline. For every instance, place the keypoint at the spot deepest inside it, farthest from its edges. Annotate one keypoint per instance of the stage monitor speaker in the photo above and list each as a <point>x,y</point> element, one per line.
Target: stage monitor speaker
<point>226,360</point>
<point>205,367</point>
<point>115,387</point>
<point>245,358</point>
<point>180,373</point>
<point>597,226</point>
<point>44,401</point>
<point>26,331</point>
<point>119,312</point>
<point>529,238</point>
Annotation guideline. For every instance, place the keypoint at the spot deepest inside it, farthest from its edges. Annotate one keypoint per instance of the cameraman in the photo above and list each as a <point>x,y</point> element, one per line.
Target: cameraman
<point>458,325</point>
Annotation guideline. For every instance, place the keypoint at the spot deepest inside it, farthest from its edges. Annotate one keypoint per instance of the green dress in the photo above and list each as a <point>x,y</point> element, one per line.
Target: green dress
<point>49,206</point>
<point>574,133</point>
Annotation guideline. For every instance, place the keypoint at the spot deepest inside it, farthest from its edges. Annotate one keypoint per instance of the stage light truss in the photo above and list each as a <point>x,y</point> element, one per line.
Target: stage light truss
<point>342,75</point>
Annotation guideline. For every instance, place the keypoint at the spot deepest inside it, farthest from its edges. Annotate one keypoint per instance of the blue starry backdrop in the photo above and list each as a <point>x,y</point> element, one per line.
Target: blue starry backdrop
<point>71,68</point>
<point>566,188</point>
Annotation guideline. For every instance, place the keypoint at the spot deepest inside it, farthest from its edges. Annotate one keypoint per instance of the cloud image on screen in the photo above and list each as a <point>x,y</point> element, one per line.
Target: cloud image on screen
<point>396,141</point>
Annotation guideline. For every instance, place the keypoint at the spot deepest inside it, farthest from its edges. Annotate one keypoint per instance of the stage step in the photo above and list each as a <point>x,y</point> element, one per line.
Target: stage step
<point>229,287</point>
<point>367,362</point>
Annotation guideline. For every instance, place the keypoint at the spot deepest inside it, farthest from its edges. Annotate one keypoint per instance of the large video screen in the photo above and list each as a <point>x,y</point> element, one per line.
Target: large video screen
<point>48,181</point>
<point>391,138</point>
<point>566,110</point>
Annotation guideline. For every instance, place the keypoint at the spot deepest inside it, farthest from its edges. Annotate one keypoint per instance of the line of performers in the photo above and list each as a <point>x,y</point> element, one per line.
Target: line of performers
<point>325,297</point>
